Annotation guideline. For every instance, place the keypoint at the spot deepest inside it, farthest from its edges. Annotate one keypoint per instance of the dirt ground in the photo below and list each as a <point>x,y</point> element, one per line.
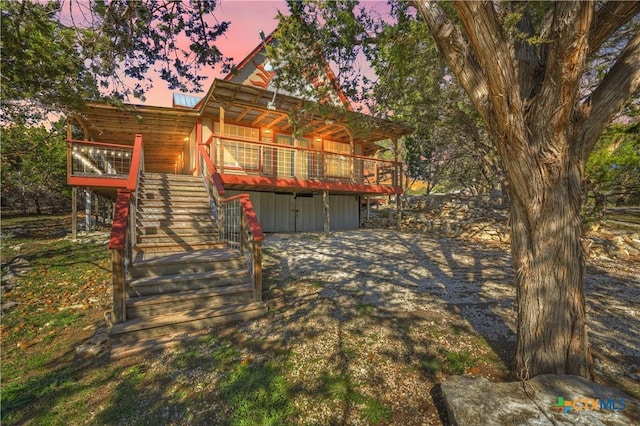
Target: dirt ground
<point>396,313</point>
<point>363,328</point>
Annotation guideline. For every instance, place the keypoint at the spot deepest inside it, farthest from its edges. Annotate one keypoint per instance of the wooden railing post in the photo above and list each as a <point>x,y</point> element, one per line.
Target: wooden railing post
<point>119,277</point>
<point>243,231</point>
<point>257,270</point>
<point>119,245</point>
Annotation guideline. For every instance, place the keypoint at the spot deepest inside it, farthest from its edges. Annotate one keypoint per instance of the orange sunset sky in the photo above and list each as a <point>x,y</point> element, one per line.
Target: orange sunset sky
<point>247,18</point>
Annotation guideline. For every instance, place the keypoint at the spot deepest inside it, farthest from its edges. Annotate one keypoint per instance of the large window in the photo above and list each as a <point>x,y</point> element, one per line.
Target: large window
<point>237,155</point>
<point>339,161</point>
<point>239,132</point>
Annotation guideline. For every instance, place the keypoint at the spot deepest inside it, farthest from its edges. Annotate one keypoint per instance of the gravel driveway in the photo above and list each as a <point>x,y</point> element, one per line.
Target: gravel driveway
<point>391,310</point>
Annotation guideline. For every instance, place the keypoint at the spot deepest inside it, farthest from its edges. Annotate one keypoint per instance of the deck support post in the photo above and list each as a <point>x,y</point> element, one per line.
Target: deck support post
<point>118,267</point>
<point>325,208</point>
<point>74,213</point>
<point>87,209</point>
<point>368,207</point>
<point>398,212</point>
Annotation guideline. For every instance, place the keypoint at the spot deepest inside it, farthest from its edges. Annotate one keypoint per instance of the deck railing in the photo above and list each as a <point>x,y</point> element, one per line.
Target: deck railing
<point>237,221</point>
<point>236,156</point>
<point>123,231</point>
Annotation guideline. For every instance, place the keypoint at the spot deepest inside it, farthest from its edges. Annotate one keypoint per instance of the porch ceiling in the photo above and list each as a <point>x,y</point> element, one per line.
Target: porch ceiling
<point>164,130</point>
<point>249,106</point>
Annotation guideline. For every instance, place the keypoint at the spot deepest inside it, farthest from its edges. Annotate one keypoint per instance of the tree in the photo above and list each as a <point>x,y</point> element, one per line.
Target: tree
<point>522,65</point>
<point>57,54</point>
<point>34,168</point>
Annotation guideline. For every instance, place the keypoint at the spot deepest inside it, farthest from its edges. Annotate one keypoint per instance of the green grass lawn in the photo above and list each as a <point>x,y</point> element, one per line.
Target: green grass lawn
<point>60,304</point>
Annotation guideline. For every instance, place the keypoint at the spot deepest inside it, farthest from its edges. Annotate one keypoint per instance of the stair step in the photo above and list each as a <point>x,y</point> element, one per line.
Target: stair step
<point>135,330</point>
<point>178,213</point>
<point>178,229</point>
<point>178,239</point>
<point>170,178</point>
<point>167,284</point>
<point>186,209</point>
<point>169,202</point>
<point>185,262</point>
<point>159,183</point>
<point>172,196</point>
<point>158,249</point>
<point>181,225</point>
<point>154,305</point>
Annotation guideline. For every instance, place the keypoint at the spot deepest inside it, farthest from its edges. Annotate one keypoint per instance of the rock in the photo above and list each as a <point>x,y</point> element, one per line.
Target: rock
<point>101,337</point>
<point>60,233</point>
<point>18,267</point>
<point>87,350</point>
<point>475,400</point>
<point>10,279</point>
<point>98,344</point>
<point>5,288</point>
<point>8,305</point>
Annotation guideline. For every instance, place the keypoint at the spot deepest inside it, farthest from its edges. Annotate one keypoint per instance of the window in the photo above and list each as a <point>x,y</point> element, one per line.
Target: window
<point>239,132</point>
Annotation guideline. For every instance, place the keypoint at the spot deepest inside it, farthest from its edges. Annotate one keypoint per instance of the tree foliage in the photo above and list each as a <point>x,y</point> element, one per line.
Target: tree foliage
<point>613,170</point>
<point>34,173</point>
<point>57,54</point>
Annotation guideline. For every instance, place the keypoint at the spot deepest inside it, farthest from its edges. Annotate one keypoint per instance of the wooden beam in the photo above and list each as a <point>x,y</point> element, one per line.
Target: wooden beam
<point>288,184</point>
<point>260,117</point>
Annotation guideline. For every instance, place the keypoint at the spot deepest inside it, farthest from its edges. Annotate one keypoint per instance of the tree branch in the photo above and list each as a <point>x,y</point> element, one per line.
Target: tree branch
<point>453,47</point>
<point>608,20</point>
<point>496,59</point>
<point>564,65</point>
<point>608,98</point>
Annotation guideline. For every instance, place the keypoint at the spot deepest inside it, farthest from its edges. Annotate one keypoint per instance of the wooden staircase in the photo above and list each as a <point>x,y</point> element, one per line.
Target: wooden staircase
<point>181,278</point>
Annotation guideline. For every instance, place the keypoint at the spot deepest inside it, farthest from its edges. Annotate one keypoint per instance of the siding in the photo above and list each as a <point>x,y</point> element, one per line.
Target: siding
<point>287,213</point>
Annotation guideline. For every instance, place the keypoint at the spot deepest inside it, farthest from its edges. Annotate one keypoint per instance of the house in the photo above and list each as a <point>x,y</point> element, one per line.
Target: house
<point>288,164</point>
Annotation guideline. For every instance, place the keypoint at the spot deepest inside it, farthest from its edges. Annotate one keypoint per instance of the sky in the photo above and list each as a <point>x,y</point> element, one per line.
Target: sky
<point>247,18</point>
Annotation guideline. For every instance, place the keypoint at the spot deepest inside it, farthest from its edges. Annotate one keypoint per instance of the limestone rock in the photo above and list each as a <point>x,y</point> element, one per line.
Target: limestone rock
<point>87,350</point>
<point>476,400</point>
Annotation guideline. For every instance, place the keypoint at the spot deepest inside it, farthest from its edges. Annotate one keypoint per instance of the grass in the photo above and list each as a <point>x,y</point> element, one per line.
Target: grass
<point>341,388</point>
<point>457,362</point>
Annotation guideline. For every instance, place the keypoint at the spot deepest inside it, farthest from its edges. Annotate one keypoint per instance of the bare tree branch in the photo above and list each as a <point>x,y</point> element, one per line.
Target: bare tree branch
<point>452,45</point>
<point>608,98</point>
<point>608,20</point>
<point>494,56</point>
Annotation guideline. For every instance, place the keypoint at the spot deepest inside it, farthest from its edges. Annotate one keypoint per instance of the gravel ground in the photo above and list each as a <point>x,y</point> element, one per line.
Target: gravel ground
<point>394,314</point>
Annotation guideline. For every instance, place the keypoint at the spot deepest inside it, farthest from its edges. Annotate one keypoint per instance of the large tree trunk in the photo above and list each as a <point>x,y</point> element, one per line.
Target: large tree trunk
<point>549,263</point>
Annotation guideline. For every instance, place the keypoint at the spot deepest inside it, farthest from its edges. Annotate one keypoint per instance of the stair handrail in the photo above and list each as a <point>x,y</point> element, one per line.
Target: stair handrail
<point>123,232</point>
<point>215,189</point>
<point>251,237</point>
<point>251,234</point>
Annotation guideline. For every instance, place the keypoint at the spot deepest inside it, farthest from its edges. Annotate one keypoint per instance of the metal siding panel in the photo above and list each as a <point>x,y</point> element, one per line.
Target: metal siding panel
<point>283,217</point>
<point>343,212</point>
<point>319,223</point>
<point>306,214</point>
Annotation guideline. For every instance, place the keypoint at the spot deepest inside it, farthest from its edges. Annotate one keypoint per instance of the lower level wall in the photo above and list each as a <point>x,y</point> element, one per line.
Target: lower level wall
<point>278,212</point>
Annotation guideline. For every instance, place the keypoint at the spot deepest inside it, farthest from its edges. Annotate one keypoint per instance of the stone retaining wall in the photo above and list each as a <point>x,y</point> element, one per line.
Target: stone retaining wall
<point>485,218</point>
